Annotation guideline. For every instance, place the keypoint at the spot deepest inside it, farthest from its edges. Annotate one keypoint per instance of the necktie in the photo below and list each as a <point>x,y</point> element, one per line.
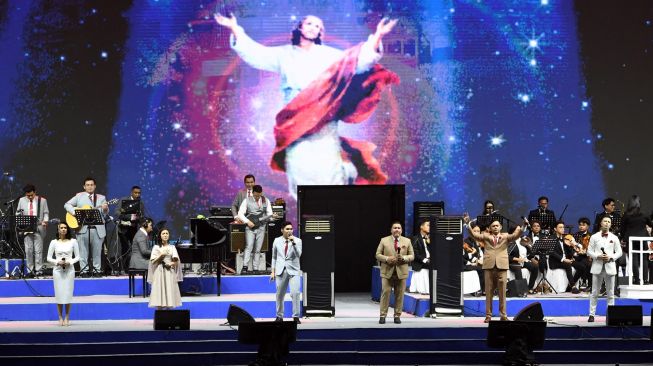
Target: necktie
<point>31,209</point>
<point>496,241</point>
<point>285,249</point>
<point>396,244</point>
<point>90,197</point>
<point>249,193</point>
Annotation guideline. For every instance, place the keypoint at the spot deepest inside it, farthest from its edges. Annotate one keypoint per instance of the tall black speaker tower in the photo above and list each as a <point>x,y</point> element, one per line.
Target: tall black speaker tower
<point>445,280</point>
<point>318,264</point>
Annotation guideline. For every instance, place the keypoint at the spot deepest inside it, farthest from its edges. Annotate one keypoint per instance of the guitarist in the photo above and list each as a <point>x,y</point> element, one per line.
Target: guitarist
<point>255,212</point>
<point>89,199</point>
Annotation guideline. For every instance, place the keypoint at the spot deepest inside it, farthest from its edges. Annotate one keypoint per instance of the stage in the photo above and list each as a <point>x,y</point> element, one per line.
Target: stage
<point>108,327</point>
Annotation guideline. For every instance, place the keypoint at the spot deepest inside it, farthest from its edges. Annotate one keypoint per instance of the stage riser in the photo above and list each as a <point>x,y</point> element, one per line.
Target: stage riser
<point>136,310</point>
<point>120,286</point>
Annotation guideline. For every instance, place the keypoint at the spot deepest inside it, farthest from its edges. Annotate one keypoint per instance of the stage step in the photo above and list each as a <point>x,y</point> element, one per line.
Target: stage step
<point>122,307</point>
<point>324,346</point>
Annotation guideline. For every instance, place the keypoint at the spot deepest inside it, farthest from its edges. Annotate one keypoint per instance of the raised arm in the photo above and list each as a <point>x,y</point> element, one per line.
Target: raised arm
<point>253,53</point>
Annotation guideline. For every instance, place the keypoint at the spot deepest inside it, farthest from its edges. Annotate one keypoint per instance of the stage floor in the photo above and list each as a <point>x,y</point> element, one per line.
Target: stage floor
<point>352,311</point>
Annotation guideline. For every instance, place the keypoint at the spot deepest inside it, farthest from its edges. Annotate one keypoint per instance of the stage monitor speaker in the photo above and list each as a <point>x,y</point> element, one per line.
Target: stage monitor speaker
<point>622,315</point>
<point>171,319</point>
<point>532,312</point>
<point>237,238</point>
<point>424,210</point>
<point>273,339</point>
<point>237,315</point>
<point>447,241</point>
<point>517,288</point>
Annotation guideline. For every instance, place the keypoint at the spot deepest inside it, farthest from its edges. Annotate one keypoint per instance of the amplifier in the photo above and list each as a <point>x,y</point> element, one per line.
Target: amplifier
<point>237,238</point>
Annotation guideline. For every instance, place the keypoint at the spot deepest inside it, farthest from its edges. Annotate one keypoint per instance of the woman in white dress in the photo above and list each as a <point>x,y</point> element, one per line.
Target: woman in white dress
<point>163,274</point>
<point>63,253</point>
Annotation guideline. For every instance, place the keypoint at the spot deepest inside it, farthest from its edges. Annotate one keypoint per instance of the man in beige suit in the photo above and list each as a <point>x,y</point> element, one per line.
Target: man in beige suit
<point>394,253</point>
<point>495,263</point>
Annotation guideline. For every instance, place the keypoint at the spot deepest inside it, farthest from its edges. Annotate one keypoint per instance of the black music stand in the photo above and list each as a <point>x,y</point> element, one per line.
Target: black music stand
<point>544,247</point>
<point>24,225</point>
<point>89,218</point>
<point>546,220</point>
<point>485,220</point>
<point>129,207</point>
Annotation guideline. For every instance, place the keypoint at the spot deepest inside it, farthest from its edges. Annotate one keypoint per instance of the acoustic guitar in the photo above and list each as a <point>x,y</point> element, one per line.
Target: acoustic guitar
<point>71,220</point>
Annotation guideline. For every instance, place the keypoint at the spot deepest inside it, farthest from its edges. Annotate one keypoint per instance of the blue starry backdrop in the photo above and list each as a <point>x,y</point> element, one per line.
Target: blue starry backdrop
<point>501,100</point>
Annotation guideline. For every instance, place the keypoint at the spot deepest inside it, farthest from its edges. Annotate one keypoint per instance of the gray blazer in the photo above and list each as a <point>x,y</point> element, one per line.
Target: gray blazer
<point>43,212</point>
<point>81,199</point>
<point>289,261</point>
<point>140,256</point>
<point>235,205</point>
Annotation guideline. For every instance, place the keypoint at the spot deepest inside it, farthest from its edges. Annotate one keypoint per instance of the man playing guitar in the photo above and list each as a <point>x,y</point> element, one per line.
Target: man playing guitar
<point>255,212</point>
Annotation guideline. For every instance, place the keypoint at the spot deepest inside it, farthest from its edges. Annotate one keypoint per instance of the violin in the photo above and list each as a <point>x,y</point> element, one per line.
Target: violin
<point>468,248</point>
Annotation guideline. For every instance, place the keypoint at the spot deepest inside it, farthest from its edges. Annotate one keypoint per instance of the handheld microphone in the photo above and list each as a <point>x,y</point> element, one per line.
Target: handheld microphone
<point>603,250</point>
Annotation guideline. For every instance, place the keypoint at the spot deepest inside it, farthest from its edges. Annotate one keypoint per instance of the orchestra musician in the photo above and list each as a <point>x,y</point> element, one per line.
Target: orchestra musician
<point>473,256</point>
<point>128,224</point>
<point>422,263</point>
<point>242,194</point>
<point>582,240</point>
<point>542,214</point>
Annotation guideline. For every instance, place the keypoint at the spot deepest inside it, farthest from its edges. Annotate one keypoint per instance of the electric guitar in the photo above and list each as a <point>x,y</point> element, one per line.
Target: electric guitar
<point>71,220</point>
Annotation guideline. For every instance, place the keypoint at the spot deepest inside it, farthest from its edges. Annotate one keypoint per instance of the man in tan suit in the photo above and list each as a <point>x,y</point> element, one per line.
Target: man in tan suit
<point>495,263</point>
<point>394,253</point>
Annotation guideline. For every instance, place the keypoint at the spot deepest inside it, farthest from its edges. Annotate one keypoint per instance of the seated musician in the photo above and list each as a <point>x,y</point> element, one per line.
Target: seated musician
<point>582,242</point>
<point>473,256</point>
<point>521,256</point>
<point>542,214</point>
<point>562,257</point>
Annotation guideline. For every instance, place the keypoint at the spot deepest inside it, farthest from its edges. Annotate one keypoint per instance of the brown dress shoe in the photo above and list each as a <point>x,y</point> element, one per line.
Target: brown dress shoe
<point>504,318</point>
<point>487,319</point>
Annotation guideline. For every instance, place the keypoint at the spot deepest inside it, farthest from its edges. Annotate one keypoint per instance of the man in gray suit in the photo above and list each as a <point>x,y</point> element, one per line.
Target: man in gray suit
<point>255,212</point>
<point>249,180</point>
<point>286,251</point>
<point>33,205</point>
<point>604,249</point>
<point>89,199</point>
<point>141,251</point>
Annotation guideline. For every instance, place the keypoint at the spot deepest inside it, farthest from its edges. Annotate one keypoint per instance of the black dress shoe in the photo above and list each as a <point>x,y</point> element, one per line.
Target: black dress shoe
<point>278,319</point>
<point>382,320</point>
<point>590,319</point>
<point>296,320</point>
<point>397,320</point>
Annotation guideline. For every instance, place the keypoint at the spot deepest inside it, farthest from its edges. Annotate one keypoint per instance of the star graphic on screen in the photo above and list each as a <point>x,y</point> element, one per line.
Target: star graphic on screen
<point>497,141</point>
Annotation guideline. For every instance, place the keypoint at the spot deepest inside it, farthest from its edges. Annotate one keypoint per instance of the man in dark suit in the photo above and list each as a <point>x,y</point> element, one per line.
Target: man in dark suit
<point>423,252</point>
<point>543,215</point>
<point>495,263</point>
<point>141,251</point>
<point>562,257</point>
<point>394,253</point>
<point>128,224</point>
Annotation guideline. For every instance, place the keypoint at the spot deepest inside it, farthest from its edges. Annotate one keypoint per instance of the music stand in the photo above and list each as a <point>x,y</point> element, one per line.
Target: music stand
<point>89,218</point>
<point>546,220</point>
<point>485,220</point>
<point>544,247</point>
<point>24,225</point>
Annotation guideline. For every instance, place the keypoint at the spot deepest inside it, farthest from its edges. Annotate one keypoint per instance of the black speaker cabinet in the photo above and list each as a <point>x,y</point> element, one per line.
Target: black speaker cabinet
<point>237,238</point>
<point>517,288</point>
<point>171,319</point>
<point>236,315</point>
<point>620,315</point>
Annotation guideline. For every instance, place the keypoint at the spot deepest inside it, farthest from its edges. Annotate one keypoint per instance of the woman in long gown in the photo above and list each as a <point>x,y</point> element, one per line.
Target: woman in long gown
<point>163,274</point>
<point>63,253</point>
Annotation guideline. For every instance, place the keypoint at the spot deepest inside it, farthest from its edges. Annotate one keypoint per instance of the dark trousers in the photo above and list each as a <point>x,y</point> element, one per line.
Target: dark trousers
<point>126,234</point>
<point>572,278</point>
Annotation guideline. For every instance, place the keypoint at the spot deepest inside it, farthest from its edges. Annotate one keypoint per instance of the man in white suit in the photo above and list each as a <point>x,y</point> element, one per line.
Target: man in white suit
<point>33,205</point>
<point>98,232</point>
<point>286,251</point>
<point>604,249</point>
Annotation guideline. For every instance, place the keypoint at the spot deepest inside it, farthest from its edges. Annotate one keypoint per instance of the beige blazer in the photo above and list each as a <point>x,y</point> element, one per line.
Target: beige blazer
<point>497,254</point>
<point>386,249</point>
